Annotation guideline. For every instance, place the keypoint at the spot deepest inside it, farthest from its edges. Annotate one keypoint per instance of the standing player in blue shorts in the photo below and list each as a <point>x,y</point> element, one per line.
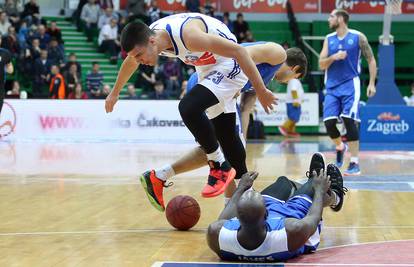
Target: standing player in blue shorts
<point>293,108</point>
<point>282,221</point>
<point>340,58</point>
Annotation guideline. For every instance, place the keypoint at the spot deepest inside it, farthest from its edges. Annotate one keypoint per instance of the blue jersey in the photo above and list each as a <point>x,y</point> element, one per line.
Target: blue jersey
<point>341,71</point>
<point>275,246</point>
<point>267,72</point>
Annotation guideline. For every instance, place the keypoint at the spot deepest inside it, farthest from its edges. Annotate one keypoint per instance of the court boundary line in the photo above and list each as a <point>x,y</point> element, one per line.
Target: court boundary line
<point>161,230</point>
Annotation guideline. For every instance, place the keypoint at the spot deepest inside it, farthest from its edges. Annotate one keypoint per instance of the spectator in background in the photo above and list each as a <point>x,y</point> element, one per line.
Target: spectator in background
<point>286,45</point>
<point>54,32</point>
<point>154,12</point>
<point>227,21</point>
<point>43,36</point>
<point>78,93</point>
<point>240,27</point>
<point>31,13</point>
<point>94,81</point>
<point>410,100</point>
<point>10,42</point>
<point>192,5</point>
<point>106,17</point>
<point>132,95</point>
<point>72,78</point>
<point>4,23</point>
<point>57,88</point>
<point>15,91</point>
<point>104,4</point>
<point>145,78</point>
<point>22,35</point>
<point>208,8</point>
<point>108,41</point>
<point>106,89</point>
<point>12,11</point>
<point>35,50</point>
<point>172,73</point>
<point>41,73</point>
<point>55,54</point>
<point>158,93</point>
<point>76,14</point>
<point>72,60</point>
<point>137,9</point>
<point>90,15</point>
<point>249,37</point>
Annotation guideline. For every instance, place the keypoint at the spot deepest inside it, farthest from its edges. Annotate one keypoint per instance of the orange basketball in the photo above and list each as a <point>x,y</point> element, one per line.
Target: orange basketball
<point>183,212</point>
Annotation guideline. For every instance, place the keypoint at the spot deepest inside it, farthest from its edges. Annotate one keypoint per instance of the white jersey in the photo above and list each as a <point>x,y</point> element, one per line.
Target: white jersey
<point>221,75</point>
<point>294,85</point>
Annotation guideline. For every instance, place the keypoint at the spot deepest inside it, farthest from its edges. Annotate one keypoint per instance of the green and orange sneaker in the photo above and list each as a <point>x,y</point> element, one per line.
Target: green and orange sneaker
<point>154,187</point>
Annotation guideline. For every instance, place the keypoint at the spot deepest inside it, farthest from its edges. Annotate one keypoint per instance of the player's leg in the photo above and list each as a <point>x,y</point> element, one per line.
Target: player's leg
<point>192,109</point>
<point>331,112</point>
<point>350,117</point>
<point>247,102</point>
<point>282,189</point>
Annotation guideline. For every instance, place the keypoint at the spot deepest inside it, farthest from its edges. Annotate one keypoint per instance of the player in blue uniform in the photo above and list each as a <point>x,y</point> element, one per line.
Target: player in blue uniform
<point>280,222</point>
<point>283,66</point>
<point>340,58</point>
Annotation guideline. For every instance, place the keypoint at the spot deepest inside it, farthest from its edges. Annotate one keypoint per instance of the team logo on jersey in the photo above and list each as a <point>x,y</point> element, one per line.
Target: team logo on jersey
<point>206,59</point>
<point>350,42</point>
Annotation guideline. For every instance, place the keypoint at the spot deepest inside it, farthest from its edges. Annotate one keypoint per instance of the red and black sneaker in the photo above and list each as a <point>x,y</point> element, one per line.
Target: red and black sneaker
<point>218,179</point>
<point>154,187</point>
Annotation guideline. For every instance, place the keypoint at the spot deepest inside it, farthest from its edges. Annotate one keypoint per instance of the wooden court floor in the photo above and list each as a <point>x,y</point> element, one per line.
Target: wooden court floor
<point>80,204</point>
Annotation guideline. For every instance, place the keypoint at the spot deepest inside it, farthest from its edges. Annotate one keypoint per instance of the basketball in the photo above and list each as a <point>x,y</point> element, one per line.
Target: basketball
<point>183,212</point>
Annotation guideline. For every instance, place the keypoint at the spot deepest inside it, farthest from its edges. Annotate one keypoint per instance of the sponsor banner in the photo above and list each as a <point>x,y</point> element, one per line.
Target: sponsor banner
<point>362,7</point>
<point>309,116</point>
<point>131,120</point>
<point>268,6</point>
<point>387,123</point>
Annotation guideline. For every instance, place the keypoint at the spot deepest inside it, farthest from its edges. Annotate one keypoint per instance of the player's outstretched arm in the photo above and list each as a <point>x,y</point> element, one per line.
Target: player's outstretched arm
<point>197,39</point>
<point>128,67</point>
<point>271,53</point>
<point>299,231</point>
<point>372,63</point>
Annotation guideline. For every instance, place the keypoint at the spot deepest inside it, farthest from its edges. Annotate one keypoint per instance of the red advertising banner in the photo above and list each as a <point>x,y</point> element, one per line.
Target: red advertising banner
<point>268,6</point>
<point>179,5</point>
<point>362,7</point>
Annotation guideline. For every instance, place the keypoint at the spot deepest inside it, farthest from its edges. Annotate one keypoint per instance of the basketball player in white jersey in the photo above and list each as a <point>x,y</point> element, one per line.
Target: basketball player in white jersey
<point>341,59</point>
<point>280,222</point>
<point>209,110</point>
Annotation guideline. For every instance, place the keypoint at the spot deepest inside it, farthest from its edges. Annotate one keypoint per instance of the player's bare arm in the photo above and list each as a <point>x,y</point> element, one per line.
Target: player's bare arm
<point>128,67</point>
<point>325,61</point>
<point>270,53</point>
<point>372,63</point>
<point>197,39</point>
<point>299,231</point>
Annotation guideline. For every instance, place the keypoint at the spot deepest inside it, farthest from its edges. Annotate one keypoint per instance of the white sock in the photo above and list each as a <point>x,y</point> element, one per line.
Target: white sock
<point>165,172</point>
<point>336,199</point>
<point>355,159</point>
<point>216,156</point>
<point>340,147</point>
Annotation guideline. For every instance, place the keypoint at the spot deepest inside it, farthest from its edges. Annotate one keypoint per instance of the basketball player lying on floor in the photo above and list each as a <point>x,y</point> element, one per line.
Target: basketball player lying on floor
<point>273,62</point>
<point>282,221</point>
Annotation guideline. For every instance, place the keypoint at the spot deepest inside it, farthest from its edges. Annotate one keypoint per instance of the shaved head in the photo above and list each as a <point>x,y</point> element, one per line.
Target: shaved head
<point>251,210</point>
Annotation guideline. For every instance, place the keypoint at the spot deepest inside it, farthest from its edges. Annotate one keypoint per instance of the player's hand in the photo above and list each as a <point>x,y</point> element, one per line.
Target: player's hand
<point>371,90</point>
<point>321,182</point>
<point>267,99</point>
<point>110,102</point>
<point>340,55</point>
<point>296,104</point>
<point>246,181</point>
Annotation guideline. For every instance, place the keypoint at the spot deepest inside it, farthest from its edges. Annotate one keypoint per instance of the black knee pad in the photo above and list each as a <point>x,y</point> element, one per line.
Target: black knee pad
<point>352,129</point>
<point>331,128</point>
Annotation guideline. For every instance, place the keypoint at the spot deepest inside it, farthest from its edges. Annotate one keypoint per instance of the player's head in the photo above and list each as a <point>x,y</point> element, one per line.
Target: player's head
<point>295,66</point>
<point>337,18</point>
<point>138,40</point>
<point>251,210</point>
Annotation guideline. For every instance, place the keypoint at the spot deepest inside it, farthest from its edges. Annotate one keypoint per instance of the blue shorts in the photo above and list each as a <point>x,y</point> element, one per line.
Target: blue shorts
<point>293,113</point>
<point>296,207</point>
<point>343,101</point>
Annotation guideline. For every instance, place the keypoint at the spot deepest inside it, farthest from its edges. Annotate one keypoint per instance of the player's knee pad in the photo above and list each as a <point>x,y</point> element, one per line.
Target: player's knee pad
<point>352,131</point>
<point>331,128</point>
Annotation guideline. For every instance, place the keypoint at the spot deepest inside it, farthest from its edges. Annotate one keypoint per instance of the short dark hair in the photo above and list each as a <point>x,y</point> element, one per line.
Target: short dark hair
<point>296,57</point>
<point>342,13</point>
<point>94,63</point>
<point>239,15</point>
<point>135,33</point>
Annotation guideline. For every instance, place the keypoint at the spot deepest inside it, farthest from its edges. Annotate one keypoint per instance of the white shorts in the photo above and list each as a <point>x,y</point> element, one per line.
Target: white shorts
<point>224,80</point>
